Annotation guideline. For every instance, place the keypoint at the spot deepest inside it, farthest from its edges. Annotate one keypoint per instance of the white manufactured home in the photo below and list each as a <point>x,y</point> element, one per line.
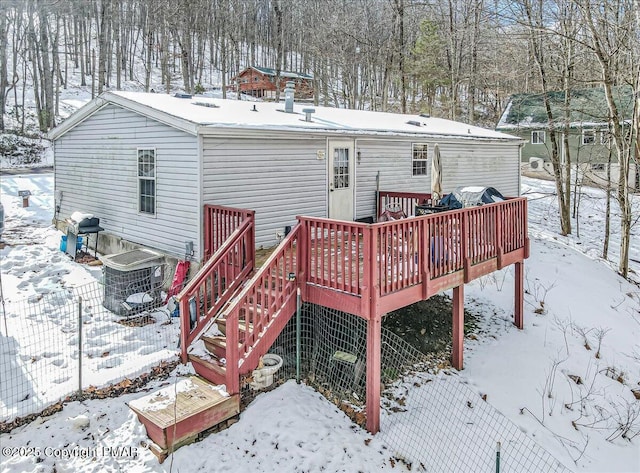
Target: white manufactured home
<point>146,164</point>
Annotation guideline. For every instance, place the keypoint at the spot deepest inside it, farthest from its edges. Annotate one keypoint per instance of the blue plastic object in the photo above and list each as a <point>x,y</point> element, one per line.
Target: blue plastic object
<point>63,243</point>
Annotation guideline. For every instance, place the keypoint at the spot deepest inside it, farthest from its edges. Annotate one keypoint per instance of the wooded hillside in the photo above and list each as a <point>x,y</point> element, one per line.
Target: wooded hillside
<point>459,59</point>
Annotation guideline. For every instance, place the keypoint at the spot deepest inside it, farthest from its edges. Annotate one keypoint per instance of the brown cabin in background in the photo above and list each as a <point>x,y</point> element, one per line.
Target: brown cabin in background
<point>261,82</point>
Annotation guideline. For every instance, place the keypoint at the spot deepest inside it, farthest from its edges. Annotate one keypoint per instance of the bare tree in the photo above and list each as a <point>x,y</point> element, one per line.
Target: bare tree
<point>610,29</point>
<point>534,12</point>
<point>4,79</point>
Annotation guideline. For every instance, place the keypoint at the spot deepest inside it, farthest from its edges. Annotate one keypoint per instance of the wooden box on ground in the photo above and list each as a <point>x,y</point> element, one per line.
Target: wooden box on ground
<point>175,415</point>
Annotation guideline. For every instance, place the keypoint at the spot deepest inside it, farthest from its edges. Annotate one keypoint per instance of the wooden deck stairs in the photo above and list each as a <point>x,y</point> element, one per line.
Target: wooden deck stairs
<point>231,313</point>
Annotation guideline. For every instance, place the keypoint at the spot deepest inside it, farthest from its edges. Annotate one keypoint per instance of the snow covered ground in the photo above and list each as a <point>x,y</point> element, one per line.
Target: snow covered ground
<point>575,402</point>
<point>40,288</point>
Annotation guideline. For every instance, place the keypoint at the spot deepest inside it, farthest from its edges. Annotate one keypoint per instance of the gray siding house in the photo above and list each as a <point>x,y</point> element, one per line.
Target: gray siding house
<point>590,146</point>
<point>145,164</point>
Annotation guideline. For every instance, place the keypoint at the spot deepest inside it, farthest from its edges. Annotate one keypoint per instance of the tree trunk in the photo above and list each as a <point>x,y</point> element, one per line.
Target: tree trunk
<point>103,39</point>
<point>148,39</point>
<point>117,36</point>
<point>600,44</point>
<point>277,9</point>
<point>48,113</point>
<point>399,11</point>
<point>607,212</point>
<point>93,76</point>
<point>564,205</point>
<point>4,80</point>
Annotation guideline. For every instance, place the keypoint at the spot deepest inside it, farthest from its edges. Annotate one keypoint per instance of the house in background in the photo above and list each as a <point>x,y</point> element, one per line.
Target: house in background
<point>590,145</point>
<point>261,82</point>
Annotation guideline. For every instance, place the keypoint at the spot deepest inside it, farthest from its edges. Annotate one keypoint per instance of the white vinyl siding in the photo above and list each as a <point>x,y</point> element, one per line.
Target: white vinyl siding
<point>478,163</point>
<point>464,163</point>
<point>278,178</point>
<point>393,160</point>
<point>97,171</point>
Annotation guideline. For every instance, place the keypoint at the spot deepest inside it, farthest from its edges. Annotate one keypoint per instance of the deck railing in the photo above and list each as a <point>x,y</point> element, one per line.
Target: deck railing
<point>399,260</point>
<point>216,282</point>
<point>219,223</point>
<point>269,297</point>
<point>335,253</point>
<point>404,201</point>
<point>514,229</point>
<point>387,257</point>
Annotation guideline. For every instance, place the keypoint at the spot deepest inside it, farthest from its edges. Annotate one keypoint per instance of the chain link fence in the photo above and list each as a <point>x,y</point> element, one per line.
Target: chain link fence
<point>55,344</point>
<point>431,421</point>
<point>52,345</point>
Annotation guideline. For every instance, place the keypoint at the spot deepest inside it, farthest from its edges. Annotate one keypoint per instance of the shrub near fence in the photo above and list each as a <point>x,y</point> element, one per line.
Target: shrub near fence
<point>54,344</point>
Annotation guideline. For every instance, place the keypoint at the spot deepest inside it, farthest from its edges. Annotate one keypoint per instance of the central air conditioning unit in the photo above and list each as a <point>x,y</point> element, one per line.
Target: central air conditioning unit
<point>536,163</point>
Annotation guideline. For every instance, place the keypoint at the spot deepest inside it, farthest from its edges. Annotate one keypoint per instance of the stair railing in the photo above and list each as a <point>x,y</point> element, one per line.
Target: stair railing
<point>219,223</point>
<point>215,283</point>
<point>264,305</point>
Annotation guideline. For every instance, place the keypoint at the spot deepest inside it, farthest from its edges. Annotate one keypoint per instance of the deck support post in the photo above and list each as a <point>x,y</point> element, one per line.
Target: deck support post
<point>458,326</point>
<point>374,334</point>
<point>518,313</point>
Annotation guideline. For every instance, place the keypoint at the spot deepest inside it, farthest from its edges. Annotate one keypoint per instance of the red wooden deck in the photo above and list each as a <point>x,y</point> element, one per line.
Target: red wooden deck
<point>371,269</point>
<point>364,269</point>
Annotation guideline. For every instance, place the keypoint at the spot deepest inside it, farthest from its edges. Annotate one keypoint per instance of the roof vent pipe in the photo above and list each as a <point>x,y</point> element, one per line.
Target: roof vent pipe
<point>288,97</point>
<point>307,113</point>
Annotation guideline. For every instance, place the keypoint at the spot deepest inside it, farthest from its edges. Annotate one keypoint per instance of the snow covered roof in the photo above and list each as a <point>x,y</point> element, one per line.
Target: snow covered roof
<point>267,71</point>
<point>588,108</point>
<point>199,114</point>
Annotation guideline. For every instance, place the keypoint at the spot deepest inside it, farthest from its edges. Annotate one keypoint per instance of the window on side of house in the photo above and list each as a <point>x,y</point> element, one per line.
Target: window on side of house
<point>147,181</point>
<point>537,137</point>
<point>419,160</point>
<point>588,137</point>
<point>605,138</point>
<point>598,167</point>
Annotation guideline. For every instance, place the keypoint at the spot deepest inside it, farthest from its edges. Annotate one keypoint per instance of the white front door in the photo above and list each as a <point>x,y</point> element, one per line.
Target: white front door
<point>341,180</point>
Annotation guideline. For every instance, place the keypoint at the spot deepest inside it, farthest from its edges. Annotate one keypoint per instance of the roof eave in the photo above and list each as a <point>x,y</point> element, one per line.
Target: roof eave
<point>244,131</point>
<point>163,117</point>
<point>77,117</point>
<point>108,98</point>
